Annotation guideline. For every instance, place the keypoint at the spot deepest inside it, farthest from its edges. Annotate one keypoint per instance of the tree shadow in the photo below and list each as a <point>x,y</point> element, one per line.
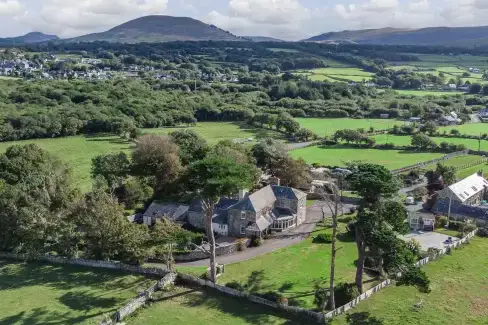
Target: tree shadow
<point>86,301</point>
<point>346,237</point>
<point>42,316</point>
<point>363,318</point>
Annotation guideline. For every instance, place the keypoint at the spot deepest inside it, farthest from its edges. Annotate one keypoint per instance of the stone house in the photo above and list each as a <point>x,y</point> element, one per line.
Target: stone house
<point>272,208</point>
<point>173,211</point>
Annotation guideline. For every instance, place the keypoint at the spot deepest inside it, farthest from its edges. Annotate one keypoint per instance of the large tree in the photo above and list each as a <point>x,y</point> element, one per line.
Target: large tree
<point>212,178</point>
<point>291,172</point>
<point>157,157</point>
<point>268,152</point>
<point>192,146</point>
<point>113,167</point>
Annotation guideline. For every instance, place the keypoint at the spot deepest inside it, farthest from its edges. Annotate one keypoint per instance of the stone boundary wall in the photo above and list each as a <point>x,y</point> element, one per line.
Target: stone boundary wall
<point>219,251</point>
<point>111,265</point>
<point>386,283</point>
<point>300,312</point>
<point>140,300</point>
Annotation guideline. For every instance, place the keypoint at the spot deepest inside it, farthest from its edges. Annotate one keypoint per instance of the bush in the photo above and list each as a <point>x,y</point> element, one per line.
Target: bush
<point>345,292</point>
<point>455,225</point>
<point>274,296</point>
<point>241,245</point>
<point>256,242</point>
<point>321,298</point>
<point>483,232</point>
<point>433,252</point>
<point>234,285</point>
<point>467,228</point>
<point>351,228</point>
<point>441,222</point>
<point>323,238</point>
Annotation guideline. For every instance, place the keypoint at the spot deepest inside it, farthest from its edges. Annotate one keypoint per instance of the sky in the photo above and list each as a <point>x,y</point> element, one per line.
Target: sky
<point>285,19</point>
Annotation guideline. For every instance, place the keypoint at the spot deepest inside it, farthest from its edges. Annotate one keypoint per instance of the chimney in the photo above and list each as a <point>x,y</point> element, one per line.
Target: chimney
<point>242,194</point>
<point>274,181</point>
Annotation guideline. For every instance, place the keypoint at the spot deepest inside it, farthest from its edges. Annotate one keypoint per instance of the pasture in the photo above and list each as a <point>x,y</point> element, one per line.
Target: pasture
<point>328,126</point>
<point>458,296</point>
<point>469,128</point>
<point>340,74</point>
<point>338,156</point>
<point>405,140</point>
<point>423,93</point>
<point>197,306</point>
<point>34,293</point>
<point>79,151</point>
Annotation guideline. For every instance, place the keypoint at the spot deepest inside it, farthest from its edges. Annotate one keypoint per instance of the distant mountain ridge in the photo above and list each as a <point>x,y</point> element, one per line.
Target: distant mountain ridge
<point>263,39</point>
<point>29,38</point>
<point>158,28</point>
<point>449,36</point>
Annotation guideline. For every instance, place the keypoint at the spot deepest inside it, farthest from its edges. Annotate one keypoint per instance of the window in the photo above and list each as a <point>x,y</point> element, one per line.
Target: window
<point>474,188</point>
<point>467,194</point>
<point>243,230</point>
<point>243,214</point>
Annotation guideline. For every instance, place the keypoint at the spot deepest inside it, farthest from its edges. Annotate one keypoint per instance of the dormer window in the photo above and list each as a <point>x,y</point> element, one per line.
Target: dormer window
<point>243,214</point>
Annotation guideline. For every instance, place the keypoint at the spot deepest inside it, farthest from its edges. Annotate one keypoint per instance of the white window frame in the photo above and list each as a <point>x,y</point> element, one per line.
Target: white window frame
<point>243,230</point>
<point>243,215</point>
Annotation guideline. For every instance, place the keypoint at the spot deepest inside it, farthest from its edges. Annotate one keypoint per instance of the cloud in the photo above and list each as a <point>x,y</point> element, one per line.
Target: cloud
<point>10,8</point>
<point>68,18</point>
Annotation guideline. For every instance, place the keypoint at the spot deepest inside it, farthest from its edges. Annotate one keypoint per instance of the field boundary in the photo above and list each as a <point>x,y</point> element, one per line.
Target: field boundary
<point>139,301</point>
<point>430,162</point>
<point>387,282</point>
<point>297,311</point>
<point>110,265</point>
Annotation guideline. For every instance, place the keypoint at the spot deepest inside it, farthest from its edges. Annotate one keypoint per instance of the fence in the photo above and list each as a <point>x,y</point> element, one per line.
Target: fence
<point>111,265</point>
<point>387,282</point>
<point>472,164</point>
<point>430,162</point>
<point>140,300</point>
<point>297,311</point>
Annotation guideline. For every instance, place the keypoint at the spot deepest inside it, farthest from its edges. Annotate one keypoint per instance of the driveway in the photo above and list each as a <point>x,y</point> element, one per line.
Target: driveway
<point>277,241</point>
<point>429,239</point>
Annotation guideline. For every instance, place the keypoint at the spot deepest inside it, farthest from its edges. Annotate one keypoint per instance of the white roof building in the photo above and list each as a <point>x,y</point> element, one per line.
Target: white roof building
<point>470,188</point>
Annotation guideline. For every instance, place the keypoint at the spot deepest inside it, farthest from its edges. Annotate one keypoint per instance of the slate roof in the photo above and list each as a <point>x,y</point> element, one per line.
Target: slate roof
<point>266,197</point>
<point>224,204</point>
<point>173,211</point>
<point>261,224</point>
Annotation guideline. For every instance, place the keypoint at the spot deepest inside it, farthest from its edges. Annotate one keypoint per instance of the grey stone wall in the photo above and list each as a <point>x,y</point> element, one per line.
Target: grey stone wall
<point>296,311</point>
<point>196,219</point>
<point>200,255</point>
<point>235,222</point>
<point>111,265</point>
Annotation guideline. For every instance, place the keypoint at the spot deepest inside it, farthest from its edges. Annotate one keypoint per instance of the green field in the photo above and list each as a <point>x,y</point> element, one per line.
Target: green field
<point>459,284</point>
<point>33,293</point>
<point>463,173</point>
<point>328,126</point>
<point>470,128</point>
<point>423,93</point>
<point>195,306</point>
<point>339,74</point>
<point>331,156</point>
<point>405,140</point>
<point>294,270</point>
<point>79,151</point>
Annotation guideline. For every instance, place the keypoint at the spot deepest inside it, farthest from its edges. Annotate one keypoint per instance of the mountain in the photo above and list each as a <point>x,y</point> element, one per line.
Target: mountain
<point>263,39</point>
<point>448,36</point>
<point>34,37</point>
<point>160,29</point>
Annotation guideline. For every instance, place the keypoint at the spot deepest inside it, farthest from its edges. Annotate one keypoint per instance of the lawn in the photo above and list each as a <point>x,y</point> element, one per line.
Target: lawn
<point>405,140</point>
<point>327,126</point>
<point>340,74</point>
<point>33,293</point>
<point>294,270</point>
<point>79,151</point>
<point>463,173</point>
<point>427,92</point>
<point>459,294</point>
<point>331,156</point>
<point>192,306</point>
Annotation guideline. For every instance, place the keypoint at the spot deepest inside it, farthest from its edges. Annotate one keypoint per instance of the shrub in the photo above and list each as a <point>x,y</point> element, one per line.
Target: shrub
<point>414,246</point>
<point>345,292</point>
<point>241,245</point>
<point>321,298</point>
<point>323,238</point>
<point>256,242</point>
<point>433,252</point>
<point>414,276</point>
<point>274,296</point>
<point>467,228</point>
<point>440,221</point>
<point>351,228</point>
<point>455,225</point>
<point>483,232</point>
<point>234,285</point>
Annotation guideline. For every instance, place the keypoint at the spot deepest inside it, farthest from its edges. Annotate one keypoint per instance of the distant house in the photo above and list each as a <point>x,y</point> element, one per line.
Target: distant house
<point>172,211</point>
<point>451,119</point>
<point>90,61</point>
<point>385,116</point>
<point>272,208</point>
<point>483,115</point>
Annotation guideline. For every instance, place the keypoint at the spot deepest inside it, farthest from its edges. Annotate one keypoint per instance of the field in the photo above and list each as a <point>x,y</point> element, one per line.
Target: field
<point>392,159</point>
<point>423,93</point>
<point>339,74</point>
<point>405,140</point>
<point>79,151</point>
<point>190,306</point>
<point>328,126</point>
<point>294,270</point>
<point>470,128</point>
<point>34,293</point>
<point>459,294</point>
<point>463,173</point>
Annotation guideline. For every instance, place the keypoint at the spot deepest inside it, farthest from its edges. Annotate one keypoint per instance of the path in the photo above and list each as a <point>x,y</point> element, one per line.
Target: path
<point>298,145</point>
<point>277,241</point>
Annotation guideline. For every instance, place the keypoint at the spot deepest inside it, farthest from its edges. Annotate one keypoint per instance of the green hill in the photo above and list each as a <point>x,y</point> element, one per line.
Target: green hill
<point>160,29</point>
<point>34,37</point>
<point>448,36</point>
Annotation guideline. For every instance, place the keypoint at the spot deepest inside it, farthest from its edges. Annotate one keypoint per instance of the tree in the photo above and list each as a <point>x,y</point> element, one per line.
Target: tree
<point>114,168</point>
<point>422,141</point>
<point>429,127</point>
<point>305,135</point>
<point>239,153</point>
<point>291,172</point>
<point>212,178</point>
<point>485,90</point>
<point>192,146</point>
<point>157,157</point>
<point>268,152</point>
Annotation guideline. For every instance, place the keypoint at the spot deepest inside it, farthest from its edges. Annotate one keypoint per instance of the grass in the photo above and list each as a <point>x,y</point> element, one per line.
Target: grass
<point>332,156</point>
<point>459,294</point>
<point>79,151</point>
<point>470,128</point>
<point>35,293</point>
<point>328,126</point>
<point>191,306</point>
<point>405,140</point>
<point>338,73</point>
<point>463,173</point>
<point>448,232</point>
<point>294,270</point>
<point>423,93</point>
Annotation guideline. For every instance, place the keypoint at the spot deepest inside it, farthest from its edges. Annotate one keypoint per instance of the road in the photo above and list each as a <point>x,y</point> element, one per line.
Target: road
<point>277,241</point>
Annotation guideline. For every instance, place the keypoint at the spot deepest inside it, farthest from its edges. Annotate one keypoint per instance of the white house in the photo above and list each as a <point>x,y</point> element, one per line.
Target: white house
<point>469,191</point>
